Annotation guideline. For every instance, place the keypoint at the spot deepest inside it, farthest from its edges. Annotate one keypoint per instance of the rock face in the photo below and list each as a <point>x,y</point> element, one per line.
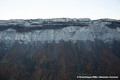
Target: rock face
<point>59,49</point>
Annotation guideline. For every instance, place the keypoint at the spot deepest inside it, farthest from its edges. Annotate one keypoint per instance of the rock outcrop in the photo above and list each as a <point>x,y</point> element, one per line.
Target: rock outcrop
<point>59,29</point>
<point>58,49</point>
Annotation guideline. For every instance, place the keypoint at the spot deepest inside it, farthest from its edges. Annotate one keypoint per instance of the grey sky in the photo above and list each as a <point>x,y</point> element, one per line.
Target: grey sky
<point>27,9</point>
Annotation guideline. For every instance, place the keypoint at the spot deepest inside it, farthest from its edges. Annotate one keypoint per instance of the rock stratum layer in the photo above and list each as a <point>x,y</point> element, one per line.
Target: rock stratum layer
<point>59,49</point>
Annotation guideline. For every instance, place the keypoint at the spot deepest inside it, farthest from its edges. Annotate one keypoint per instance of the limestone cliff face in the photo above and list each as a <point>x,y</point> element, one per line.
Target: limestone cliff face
<point>58,49</point>
<point>28,31</point>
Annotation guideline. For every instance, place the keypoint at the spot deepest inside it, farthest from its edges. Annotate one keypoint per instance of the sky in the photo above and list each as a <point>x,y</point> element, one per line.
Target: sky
<point>34,9</point>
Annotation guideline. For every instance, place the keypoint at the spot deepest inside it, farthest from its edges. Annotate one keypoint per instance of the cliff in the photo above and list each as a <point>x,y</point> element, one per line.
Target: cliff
<point>59,48</point>
<point>59,29</point>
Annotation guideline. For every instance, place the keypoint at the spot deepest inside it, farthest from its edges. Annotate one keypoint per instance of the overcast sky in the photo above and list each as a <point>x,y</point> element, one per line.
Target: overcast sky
<point>31,9</point>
